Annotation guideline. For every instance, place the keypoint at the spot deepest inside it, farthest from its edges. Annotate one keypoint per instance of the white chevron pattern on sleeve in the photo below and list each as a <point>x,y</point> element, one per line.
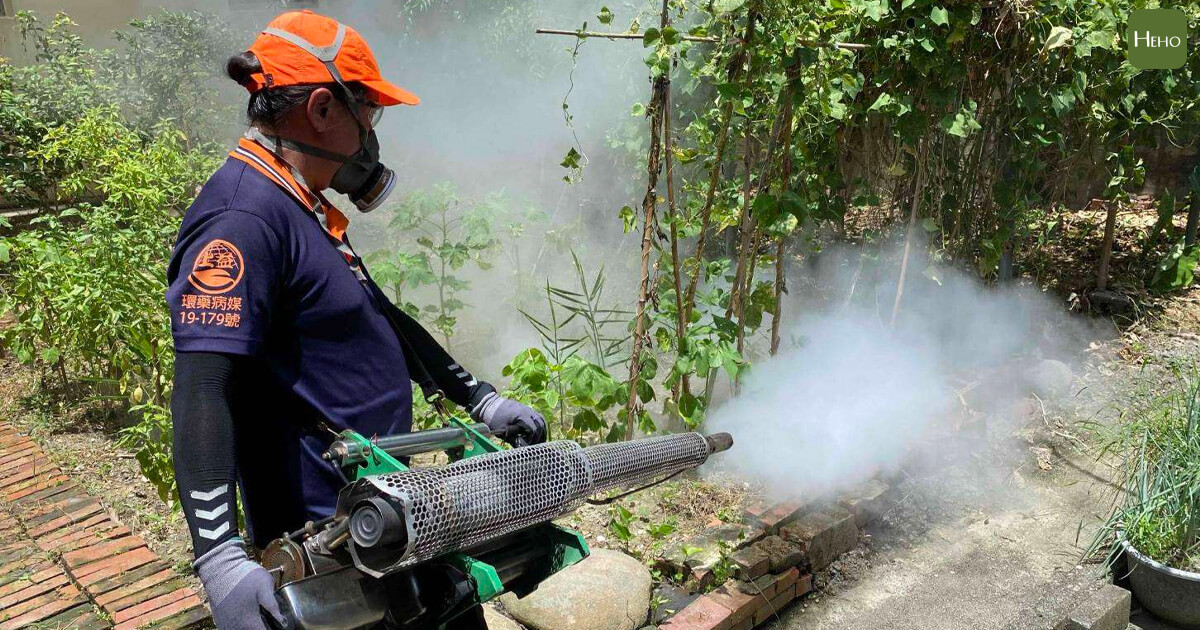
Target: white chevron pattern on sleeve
<point>210,495</point>
<point>212,534</point>
<point>211,515</point>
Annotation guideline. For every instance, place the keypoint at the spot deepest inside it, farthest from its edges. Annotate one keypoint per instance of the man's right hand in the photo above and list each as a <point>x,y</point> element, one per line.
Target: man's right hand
<point>240,592</point>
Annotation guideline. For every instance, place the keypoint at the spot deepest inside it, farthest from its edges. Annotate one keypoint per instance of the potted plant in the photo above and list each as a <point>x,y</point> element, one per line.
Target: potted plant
<point>1155,529</point>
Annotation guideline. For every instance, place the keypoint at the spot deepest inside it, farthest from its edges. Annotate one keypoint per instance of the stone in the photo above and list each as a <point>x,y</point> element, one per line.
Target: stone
<point>824,535</point>
<point>704,550</point>
<point>1105,609</point>
<point>780,553</point>
<point>608,590</point>
<point>670,599</point>
<point>702,614</point>
<point>1105,301</point>
<point>867,501</point>
<point>497,621</point>
<point>1050,378</point>
<point>750,563</point>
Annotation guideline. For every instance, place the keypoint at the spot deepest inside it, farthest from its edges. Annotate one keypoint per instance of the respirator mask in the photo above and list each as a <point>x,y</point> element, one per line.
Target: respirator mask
<point>361,177</point>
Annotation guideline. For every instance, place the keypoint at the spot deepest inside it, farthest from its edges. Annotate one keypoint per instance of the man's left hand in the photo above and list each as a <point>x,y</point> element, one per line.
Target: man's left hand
<point>512,421</point>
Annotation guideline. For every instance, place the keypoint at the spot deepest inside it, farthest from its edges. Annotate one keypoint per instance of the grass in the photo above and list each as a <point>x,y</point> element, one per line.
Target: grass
<point>1159,444</point>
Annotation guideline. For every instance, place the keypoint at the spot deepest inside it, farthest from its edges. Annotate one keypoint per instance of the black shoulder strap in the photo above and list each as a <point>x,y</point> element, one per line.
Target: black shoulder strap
<point>417,370</point>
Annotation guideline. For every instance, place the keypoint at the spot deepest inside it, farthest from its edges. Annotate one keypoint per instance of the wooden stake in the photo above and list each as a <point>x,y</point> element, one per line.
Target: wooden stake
<point>1110,228</point>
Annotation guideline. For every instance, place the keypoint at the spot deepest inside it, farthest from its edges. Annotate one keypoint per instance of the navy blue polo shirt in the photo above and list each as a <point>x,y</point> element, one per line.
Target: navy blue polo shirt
<point>255,273</point>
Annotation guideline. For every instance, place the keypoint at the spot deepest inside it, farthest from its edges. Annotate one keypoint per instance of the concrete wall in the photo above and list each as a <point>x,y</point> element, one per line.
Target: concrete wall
<point>97,19</point>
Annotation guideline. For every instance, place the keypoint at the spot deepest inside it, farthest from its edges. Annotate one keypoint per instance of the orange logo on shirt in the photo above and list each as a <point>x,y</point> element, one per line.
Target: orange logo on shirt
<point>218,267</point>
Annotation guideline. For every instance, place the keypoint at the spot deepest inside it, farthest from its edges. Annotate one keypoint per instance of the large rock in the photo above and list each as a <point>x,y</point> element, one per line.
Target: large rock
<point>497,621</point>
<point>607,591</point>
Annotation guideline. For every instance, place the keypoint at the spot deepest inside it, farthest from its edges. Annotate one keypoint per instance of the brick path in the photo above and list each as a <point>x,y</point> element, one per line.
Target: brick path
<point>66,563</point>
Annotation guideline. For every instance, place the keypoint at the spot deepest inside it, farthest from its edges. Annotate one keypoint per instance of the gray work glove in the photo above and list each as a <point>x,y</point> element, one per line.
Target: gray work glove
<point>514,422</point>
<point>240,591</point>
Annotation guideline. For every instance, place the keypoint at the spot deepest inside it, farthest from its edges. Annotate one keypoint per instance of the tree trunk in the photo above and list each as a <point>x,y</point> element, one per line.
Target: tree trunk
<point>735,69</point>
<point>649,202</point>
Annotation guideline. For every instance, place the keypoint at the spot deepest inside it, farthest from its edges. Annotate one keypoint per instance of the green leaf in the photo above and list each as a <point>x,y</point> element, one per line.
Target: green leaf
<point>939,16</point>
<point>605,16</point>
<point>1177,270</point>
<point>1059,36</point>
<point>628,218</point>
<point>882,101</point>
<point>651,36</point>
<point>572,159</point>
<point>930,225</point>
<point>670,36</point>
<point>725,6</point>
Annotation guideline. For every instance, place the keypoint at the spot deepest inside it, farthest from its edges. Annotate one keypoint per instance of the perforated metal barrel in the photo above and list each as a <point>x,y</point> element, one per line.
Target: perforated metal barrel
<point>483,498</point>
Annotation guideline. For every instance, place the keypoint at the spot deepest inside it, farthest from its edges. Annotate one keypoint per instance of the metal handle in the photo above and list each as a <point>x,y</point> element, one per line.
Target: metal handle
<point>347,453</point>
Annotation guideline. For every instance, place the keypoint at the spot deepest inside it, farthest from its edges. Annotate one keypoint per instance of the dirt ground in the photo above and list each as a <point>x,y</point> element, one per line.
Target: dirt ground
<point>994,537</point>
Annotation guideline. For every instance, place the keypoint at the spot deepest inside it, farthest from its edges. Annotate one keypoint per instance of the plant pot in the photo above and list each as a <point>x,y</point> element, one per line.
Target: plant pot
<point>1172,594</point>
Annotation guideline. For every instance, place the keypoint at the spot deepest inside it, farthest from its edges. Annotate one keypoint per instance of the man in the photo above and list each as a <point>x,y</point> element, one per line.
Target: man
<point>278,327</point>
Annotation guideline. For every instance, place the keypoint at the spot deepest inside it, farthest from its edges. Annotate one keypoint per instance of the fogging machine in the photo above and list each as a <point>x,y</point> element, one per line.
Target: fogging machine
<point>416,548</point>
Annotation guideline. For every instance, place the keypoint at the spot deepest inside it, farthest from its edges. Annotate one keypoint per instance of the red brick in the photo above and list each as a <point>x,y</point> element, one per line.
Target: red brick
<point>132,588</point>
<point>701,614</point>
<point>745,624</point>
<point>37,575</point>
<point>114,566</point>
<point>28,459</point>
<point>32,590</point>
<point>780,514</point>
<point>23,455</point>
<point>64,592</point>
<point>825,535</point>
<point>190,618</point>
<point>191,601</point>
<point>38,614</point>
<point>64,502</point>
<point>100,589</point>
<point>776,605</point>
<point>741,605</point>
<point>29,470</point>
<point>153,604</point>
<point>69,518</point>
<point>99,551</point>
<point>80,539</point>
<point>41,484</point>
<point>164,586</point>
<point>47,494</point>
<point>804,585</point>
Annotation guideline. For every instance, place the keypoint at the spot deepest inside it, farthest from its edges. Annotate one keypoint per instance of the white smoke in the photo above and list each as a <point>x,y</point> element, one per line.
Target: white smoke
<point>855,397</point>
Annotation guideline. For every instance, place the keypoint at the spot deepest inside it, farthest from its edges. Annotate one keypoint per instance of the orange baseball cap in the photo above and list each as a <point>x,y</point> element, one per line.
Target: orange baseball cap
<point>303,48</point>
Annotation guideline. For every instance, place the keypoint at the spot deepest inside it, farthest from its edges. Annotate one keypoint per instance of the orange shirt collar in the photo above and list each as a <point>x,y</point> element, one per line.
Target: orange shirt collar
<point>275,169</point>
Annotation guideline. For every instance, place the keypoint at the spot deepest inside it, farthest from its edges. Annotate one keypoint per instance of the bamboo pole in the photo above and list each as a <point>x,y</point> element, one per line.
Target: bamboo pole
<point>807,43</point>
<point>672,211</point>
<point>912,226</point>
